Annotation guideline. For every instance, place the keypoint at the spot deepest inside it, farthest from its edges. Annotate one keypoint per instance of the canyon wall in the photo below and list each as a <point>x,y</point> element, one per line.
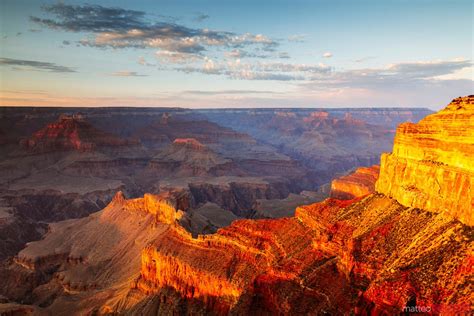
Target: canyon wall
<point>432,163</point>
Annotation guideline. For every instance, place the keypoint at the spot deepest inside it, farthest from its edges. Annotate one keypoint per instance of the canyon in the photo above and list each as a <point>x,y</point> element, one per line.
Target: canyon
<point>193,218</point>
<point>62,163</point>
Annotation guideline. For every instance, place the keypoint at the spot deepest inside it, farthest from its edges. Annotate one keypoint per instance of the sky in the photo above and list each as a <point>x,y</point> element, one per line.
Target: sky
<point>223,54</point>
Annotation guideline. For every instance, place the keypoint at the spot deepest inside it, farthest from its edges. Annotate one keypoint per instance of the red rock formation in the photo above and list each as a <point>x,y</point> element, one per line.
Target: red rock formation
<point>322,260</point>
<point>432,164</point>
<point>189,142</point>
<point>359,183</point>
<point>72,133</point>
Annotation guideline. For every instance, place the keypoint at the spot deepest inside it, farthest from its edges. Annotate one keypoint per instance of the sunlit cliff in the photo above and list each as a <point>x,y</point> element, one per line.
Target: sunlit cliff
<point>432,163</point>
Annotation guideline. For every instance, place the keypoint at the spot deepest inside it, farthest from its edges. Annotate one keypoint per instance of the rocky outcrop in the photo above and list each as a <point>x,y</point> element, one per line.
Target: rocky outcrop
<point>162,208</point>
<point>432,163</point>
<point>359,183</point>
<point>72,132</point>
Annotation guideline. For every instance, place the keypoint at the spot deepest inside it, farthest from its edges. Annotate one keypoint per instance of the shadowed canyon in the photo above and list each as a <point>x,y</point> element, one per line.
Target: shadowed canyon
<point>172,211</point>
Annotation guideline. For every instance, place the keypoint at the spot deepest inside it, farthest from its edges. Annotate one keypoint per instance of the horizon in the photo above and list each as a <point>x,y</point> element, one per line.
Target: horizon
<point>215,108</point>
<point>210,55</point>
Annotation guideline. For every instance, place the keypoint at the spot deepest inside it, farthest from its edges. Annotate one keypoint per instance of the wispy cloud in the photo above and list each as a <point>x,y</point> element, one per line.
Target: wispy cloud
<point>297,38</point>
<point>240,53</point>
<point>258,71</point>
<point>172,57</point>
<point>127,74</point>
<point>201,17</point>
<point>327,55</point>
<point>33,65</point>
<point>142,61</point>
<point>406,75</point>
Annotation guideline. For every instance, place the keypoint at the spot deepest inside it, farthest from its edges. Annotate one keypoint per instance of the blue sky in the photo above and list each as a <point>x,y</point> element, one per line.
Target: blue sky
<point>235,53</point>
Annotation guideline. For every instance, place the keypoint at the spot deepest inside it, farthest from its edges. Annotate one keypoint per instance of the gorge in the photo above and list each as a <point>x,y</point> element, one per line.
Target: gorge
<point>386,239</point>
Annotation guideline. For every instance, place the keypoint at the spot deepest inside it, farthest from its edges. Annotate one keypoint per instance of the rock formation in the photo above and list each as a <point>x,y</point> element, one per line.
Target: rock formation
<point>359,183</point>
<point>188,157</point>
<point>432,163</point>
<point>72,132</point>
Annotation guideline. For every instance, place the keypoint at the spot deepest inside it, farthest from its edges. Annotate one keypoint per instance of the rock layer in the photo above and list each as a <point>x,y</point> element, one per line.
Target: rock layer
<point>432,163</point>
<point>359,183</point>
<point>336,257</point>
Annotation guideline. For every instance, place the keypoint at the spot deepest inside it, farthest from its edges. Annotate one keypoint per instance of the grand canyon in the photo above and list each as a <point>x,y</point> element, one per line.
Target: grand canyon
<point>236,158</point>
<point>185,216</point>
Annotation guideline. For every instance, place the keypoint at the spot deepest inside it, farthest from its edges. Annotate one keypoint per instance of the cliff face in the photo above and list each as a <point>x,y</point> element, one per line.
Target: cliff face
<point>367,256</point>
<point>432,163</point>
<point>359,183</point>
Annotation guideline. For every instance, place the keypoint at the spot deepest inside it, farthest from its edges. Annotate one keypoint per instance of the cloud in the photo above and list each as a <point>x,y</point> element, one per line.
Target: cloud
<point>258,71</point>
<point>297,38</point>
<point>32,65</point>
<point>66,42</point>
<point>165,56</point>
<point>127,74</point>
<point>406,75</point>
<point>142,61</point>
<point>252,75</point>
<point>327,55</point>
<point>240,53</point>
<point>120,28</point>
<point>201,17</point>
<point>284,55</point>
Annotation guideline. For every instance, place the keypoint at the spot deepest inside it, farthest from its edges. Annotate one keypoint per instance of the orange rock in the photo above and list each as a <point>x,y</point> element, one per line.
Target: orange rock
<point>432,163</point>
<point>160,206</point>
<point>359,183</point>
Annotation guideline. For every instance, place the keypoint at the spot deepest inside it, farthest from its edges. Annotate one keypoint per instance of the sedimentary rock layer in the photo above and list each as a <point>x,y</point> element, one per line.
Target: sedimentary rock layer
<point>359,183</point>
<point>336,256</point>
<point>432,163</point>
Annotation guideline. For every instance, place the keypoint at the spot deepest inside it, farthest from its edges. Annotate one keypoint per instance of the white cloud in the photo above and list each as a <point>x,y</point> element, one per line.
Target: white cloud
<point>327,55</point>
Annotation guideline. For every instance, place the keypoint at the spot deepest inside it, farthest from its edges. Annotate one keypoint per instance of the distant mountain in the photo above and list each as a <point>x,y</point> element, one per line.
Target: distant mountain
<point>72,132</point>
